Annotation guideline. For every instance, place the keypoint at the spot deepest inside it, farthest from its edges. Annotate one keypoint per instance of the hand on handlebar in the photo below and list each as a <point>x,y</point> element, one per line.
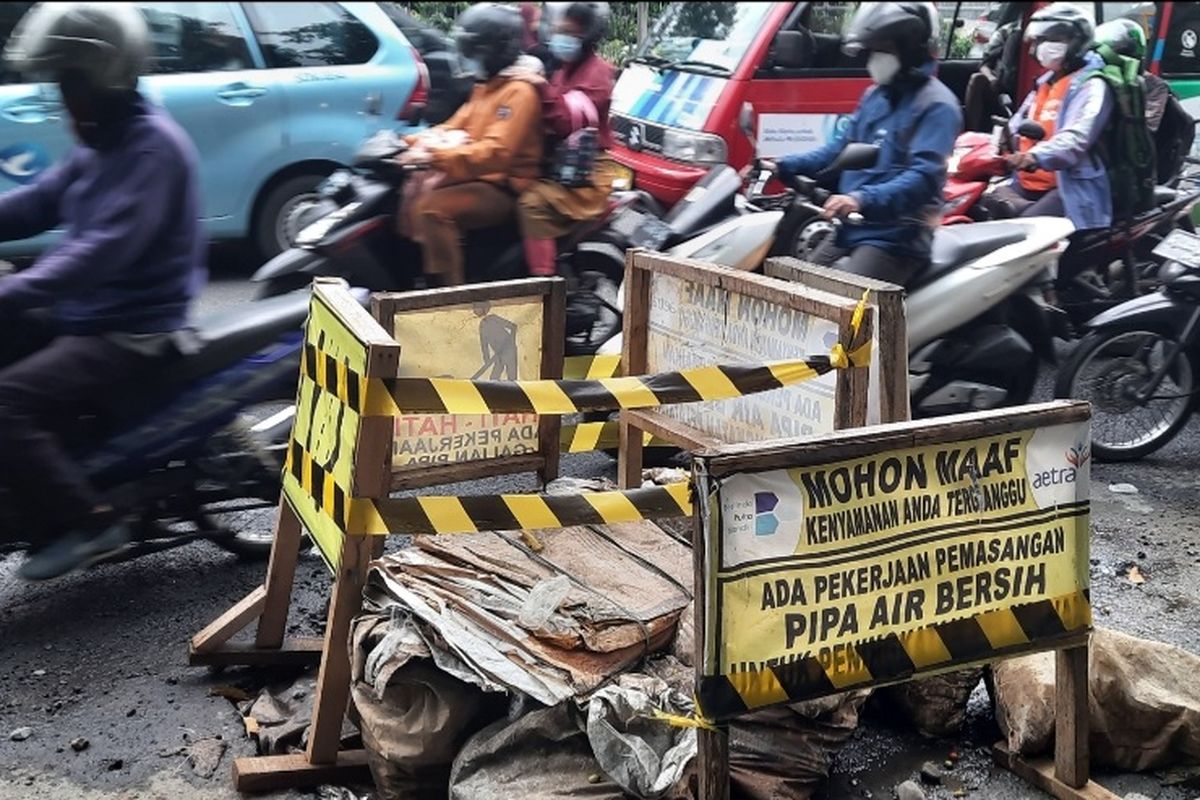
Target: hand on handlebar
<point>1022,161</point>
<point>841,205</point>
<point>415,157</point>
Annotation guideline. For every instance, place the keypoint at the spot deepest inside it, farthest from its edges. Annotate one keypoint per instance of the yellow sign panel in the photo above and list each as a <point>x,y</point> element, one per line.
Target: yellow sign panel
<point>869,570</point>
<point>695,325</point>
<point>320,467</point>
<point>497,340</point>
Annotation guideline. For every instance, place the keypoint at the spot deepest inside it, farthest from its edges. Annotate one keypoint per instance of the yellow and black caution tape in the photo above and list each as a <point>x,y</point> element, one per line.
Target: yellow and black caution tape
<point>588,436</point>
<point>898,657</point>
<point>591,367</point>
<point>455,396</point>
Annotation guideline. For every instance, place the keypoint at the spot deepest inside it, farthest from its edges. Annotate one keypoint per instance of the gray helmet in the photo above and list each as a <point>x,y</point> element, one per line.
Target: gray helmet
<point>552,14</point>
<point>593,17</point>
<point>1064,21</point>
<point>491,33</point>
<point>107,43</point>
<point>912,28</point>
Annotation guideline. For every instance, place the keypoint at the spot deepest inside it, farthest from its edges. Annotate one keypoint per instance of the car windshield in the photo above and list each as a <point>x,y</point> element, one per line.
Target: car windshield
<point>703,36</point>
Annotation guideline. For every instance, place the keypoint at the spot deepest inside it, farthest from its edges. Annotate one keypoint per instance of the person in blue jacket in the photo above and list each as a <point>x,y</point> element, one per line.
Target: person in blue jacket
<point>99,309</point>
<point>914,119</point>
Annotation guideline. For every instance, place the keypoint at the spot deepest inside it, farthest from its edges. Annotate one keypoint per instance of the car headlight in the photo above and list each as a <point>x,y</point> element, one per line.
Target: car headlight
<point>699,148</point>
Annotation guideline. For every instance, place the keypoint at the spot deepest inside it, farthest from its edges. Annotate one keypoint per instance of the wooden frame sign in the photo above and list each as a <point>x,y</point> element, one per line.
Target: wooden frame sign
<point>681,314</point>
<point>510,330</point>
<point>871,557</point>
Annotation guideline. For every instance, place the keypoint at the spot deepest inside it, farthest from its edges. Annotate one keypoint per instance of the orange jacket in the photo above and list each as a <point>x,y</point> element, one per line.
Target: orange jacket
<point>503,117</point>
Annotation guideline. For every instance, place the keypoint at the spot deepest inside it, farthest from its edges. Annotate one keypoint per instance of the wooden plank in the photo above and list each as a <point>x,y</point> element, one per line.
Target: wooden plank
<point>333,680</point>
<point>842,445</point>
<point>1071,716</point>
<point>298,652</point>
<point>827,279</point>
<point>372,469</point>
<point>385,305</point>
<point>554,334</point>
<point>281,572</point>
<point>671,430</point>
<point>271,773</point>
<point>634,339</point>
<point>853,385</point>
<point>226,626</point>
<point>382,350</point>
<point>417,476</point>
<point>1039,772</point>
<point>712,746</point>
<point>750,284</point>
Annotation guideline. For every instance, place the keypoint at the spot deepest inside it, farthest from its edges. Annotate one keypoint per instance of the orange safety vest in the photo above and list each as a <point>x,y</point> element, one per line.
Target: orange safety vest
<point>1046,104</point>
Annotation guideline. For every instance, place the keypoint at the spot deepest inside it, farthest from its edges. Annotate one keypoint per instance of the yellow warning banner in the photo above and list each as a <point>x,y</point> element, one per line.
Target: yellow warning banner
<point>871,570</point>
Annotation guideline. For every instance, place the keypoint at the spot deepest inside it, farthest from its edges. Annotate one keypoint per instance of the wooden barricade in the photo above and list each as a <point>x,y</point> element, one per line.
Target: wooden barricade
<point>863,558</point>
<point>681,313</point>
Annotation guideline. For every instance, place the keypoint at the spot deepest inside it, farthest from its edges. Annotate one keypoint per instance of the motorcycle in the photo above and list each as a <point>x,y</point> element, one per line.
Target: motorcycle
<point>189,444</point>
<point>350,233</point>
<point>977,320</point>
<point>1139,364</point>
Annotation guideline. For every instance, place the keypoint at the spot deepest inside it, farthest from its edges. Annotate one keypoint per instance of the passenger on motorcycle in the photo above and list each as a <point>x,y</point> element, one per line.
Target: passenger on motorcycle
<point>99,308</point>
<point>914,119</point>
<point>575,105</point>
<point>1063,174</point>
<point>500,149</point>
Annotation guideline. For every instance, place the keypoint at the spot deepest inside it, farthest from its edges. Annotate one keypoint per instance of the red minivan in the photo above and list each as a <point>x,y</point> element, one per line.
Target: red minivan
<point>675,106</point>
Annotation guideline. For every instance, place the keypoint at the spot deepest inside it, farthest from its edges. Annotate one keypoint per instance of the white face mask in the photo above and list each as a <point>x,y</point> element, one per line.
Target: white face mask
<point>883,67</point>
<point>1051,55</point>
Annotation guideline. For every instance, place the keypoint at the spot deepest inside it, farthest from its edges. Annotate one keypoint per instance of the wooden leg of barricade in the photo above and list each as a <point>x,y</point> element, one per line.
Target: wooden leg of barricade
<point>712,752</point>
<point>269,605</point>
<point>1066,776</point>
<point>323,761</point>
<point>629,455</point>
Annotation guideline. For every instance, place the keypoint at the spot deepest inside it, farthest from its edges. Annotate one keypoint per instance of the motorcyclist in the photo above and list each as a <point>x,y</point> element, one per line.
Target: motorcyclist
<point>499,151</point>
<point>1063,174</point>
<point>914,119</point>
<point>99,308</point>
<point>575,98</point>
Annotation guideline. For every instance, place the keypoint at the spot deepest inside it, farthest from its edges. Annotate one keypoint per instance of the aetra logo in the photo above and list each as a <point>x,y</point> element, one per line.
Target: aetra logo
<point>1076,457</point>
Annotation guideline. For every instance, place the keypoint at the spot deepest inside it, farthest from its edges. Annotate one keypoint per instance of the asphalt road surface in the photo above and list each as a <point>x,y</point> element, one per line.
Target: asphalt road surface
<point>102,655</point>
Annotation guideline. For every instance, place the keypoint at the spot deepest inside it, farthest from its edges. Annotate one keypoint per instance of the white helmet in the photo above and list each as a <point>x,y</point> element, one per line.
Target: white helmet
<point>108,43</point>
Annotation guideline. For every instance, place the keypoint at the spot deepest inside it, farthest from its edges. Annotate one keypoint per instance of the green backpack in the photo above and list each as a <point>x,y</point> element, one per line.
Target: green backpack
<point>1127,146</point>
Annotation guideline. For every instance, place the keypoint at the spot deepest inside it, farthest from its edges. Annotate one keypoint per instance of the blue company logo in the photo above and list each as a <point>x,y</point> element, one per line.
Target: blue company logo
<point>22,163</point>
<point>765,521</point>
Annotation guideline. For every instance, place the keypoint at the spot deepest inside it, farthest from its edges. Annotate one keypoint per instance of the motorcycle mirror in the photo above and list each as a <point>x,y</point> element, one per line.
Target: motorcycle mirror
<point>1031,130</point>
<point>746,120</point>
<point>855,155</point>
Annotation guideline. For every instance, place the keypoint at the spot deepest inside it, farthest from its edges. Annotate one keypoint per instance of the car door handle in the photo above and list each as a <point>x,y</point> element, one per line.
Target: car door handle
<point>240,94</point>
<point>30,109</point>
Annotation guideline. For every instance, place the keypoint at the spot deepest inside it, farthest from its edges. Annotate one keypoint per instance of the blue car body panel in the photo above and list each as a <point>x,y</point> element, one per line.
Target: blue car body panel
<point>251,122</point>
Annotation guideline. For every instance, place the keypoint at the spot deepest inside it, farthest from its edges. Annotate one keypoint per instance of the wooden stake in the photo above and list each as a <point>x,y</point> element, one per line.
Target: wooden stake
<point>333,680</point>
<point>633,362</point>
<point>281,573</point>
<point>1071,720</point>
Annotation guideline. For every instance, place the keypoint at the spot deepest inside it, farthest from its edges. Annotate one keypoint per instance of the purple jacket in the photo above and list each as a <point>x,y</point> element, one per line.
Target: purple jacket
<point>132,258</point>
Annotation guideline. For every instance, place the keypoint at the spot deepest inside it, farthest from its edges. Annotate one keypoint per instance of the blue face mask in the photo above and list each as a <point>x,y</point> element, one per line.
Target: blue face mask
<point>565,47</point>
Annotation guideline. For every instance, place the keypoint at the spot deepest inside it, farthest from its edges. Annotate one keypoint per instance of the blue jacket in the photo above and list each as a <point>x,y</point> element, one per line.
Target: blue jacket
<point>132,258</point>
<point>1071,152</point>
<point>915,124</point>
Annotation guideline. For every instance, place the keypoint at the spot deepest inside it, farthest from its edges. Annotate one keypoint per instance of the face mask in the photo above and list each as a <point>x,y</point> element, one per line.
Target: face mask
<point>565,48</point>
<point>1051,55</point>
<point>883,67</point>
<point>474,66</point>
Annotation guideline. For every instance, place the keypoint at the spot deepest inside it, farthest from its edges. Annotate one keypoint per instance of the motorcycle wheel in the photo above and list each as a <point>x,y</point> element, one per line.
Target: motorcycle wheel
<point>801,238</point>
<point>1106,368</point>
<point>256,466</point>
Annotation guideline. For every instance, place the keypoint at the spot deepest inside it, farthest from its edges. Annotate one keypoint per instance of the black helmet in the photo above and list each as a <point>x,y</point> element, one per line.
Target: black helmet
<point>592,18</point>
<point>106,43</point>
<point>911,28</point>
<point>491,34</point>
<point>1124,36</point>
<point>1062,21</point>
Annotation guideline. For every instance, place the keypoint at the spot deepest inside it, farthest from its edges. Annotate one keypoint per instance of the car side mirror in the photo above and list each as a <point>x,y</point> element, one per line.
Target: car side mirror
<point>792,49</point>
<point>1031,130</point>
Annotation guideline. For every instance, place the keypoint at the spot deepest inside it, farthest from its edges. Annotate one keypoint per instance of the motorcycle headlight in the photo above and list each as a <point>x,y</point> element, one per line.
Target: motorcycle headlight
<point>697,148</point>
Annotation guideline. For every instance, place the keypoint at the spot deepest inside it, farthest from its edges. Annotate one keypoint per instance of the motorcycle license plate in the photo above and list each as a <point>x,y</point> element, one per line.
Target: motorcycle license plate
<point>1181,246</point>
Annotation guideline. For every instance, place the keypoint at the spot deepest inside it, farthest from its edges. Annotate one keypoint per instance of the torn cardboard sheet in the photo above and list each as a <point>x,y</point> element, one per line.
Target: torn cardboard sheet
<point>551,625</point>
